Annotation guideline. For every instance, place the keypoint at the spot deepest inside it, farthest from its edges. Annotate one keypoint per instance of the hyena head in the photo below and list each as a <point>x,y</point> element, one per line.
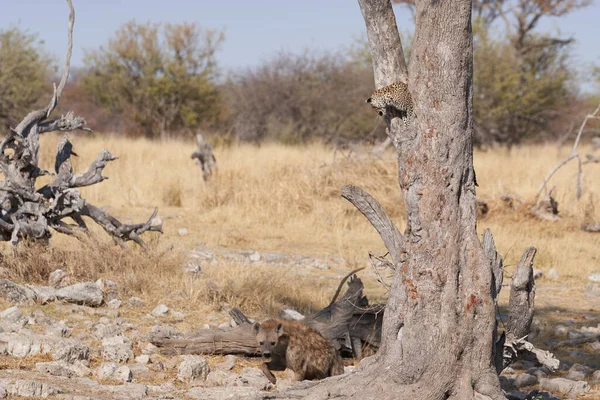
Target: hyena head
<point>267,335</point>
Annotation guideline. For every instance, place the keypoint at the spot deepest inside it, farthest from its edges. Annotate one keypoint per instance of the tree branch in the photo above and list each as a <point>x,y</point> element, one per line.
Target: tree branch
<point>374,212</point>
<point>384,41</point>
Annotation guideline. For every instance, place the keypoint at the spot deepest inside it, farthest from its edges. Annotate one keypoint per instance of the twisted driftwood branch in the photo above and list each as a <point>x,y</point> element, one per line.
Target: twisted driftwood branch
<point>374,212</point>
<point>574,154</point>
<point>29,213</point>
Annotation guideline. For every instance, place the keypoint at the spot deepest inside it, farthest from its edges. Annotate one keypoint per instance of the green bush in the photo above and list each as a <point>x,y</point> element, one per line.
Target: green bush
<point>25,72</point>
<point>159,78</point>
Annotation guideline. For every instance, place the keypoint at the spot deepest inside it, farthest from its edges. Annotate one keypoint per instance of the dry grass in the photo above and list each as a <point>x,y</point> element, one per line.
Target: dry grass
<point>276,198</point>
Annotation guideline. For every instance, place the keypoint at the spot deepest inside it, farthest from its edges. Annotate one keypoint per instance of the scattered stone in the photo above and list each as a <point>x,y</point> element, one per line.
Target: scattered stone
<point>523,380</point>
<point>177,314</point>
<point>102,331</point>
<point>255,256</point>
<point>70,350</point>
<point>16,294</point>
<point>192,268</point>
<point>561,331</point>
<point>114,304</point>
<point>227,364</point>
<point>564,386</point>
<point>256,378</point>
<point>22,345</point>
<point>12,319</point>
<point>143,359</point>
<point>220,378</point>
<point>140,371</point>
<point>182,231</point>
<point>31,388</point>
<point>224,393</point>
<point>117,348</point>
<point>57,278</point>
<point>160,310</point>
<point>193,368</point>
<point>135,302</point>
<point>109,289</point>
<point>59,329</point>
<point>553,274</point>
<point>43,294</point>
<point>55,368</point>
<point>87,294</point>
<point>594,277</point>
<point>576,375</point>
<point>224,325</point>
<point>112,371</point>
<point>149,349</point>
<point>596,375</point>
<point>538,274</point>
<point>538,372</point>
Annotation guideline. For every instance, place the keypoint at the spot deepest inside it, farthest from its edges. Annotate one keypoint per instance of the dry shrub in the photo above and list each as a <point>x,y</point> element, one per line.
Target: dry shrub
<point>172,195</point>
<point>135,270</point>
<point>258,290</point>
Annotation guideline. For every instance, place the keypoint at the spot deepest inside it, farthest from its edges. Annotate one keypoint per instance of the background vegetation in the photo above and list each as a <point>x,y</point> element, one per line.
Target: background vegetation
<point>162,80</point>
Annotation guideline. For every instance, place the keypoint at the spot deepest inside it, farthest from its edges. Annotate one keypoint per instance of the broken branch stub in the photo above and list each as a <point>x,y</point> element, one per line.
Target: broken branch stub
<point>30,213</point>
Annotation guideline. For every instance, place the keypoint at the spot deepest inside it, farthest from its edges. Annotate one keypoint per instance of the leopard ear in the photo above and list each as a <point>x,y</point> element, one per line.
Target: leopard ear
<point>369,100</point>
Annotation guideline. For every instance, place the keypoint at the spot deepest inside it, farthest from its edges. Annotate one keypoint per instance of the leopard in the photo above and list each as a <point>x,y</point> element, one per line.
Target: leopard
<point>395,95</point>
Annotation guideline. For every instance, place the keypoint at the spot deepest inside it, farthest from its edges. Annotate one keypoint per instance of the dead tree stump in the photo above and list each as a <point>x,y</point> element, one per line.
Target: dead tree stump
<point>205,158</point>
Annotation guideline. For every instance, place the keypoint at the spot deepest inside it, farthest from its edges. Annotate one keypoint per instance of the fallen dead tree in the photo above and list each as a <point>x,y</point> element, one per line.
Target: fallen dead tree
<point>349,322</point>
<point>30,213</point>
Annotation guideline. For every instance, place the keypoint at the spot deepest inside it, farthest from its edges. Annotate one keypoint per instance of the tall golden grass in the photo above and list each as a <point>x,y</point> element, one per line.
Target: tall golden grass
<point>287,199</point>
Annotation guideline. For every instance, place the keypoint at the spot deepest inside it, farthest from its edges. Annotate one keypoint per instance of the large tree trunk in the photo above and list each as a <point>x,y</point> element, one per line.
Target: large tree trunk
<point>439,324</point>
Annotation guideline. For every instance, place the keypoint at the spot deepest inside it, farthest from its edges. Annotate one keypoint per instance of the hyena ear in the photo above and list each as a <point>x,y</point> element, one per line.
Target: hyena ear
<point>369,100</point>
<point>255,328</point>
<point>279,329</point>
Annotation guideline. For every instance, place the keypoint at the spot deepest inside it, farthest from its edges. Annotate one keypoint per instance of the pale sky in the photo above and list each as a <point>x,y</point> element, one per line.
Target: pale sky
<point>254,30</point>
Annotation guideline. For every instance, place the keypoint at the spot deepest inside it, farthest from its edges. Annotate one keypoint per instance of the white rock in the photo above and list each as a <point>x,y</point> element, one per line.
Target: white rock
<point>135,302</point>
<point>16,294</point>
<point>117,348</point>
<point>70,350</point>
<point>594,277</point>
<point>255,256</point>
<point>564,386</point>
<point>31,388</point>
<point>160,310</point>
<point>228,363</point>
<point>114,303</point>
<point>105,370</point>
<point>56,278</point>
<point>13,319</point>
<point>193,368</point>
<point>109,289</point>
<point>122,374</point>
<point>182,231</point>
<point>87,293</point>
<point>177,314</point>
<point>553,274</point>
<point>143,359</point>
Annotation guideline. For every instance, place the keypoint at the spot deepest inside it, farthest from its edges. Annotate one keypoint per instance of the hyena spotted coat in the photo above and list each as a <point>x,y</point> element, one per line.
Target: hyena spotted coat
<point>294,345</point>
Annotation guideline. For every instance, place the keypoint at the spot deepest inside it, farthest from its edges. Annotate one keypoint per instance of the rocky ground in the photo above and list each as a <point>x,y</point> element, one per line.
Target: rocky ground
<point>83,341</point>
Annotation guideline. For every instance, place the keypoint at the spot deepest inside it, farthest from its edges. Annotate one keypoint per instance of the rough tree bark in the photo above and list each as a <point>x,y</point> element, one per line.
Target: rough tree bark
<point>439,327</point>
<point>30,213</point>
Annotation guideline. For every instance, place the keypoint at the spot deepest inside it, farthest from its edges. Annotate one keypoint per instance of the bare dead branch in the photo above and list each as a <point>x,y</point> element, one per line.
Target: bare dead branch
<point>374,212</point>
<point>574,154</point>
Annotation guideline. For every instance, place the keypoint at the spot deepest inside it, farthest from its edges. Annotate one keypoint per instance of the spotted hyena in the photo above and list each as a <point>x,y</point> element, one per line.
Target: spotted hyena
<point>293,345</point>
